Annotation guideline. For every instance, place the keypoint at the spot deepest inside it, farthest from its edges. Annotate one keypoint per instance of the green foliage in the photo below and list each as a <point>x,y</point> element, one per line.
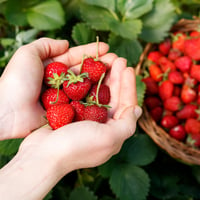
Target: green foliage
<point>141,88</point>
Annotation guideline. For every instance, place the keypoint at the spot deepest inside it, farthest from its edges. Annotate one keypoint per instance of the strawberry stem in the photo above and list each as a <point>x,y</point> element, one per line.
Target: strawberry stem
<point>97,50</point>
<point>98,87</point>
<point>53,102</point>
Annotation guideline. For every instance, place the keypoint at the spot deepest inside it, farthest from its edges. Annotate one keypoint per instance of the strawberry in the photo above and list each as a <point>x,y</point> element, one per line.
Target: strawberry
<point>96,113</point>
<point>151,86</point>
<point>194,33</point>
<point>169,121</point>
<point>188,111</point>
<point>176,77</point>
<point>152,102</point>
<point>195,72</point>
<point>172,103</point>
<point>59,115</point>
<point>54,74</point>
<point>155,72</point>
<point>183,63</point>
<point>166,89</point>
<point>192,48</point>
<point>177,91</point>
<point>154,56</point>
<point>193,140</point>
<point>178,132</point>
<point>103,94</point>
<point>174,54</point>
<point>165,46</point>
<point>51,96</point>
<point>76,86</point>
<point>192,126</point>
<point>156,113</point>
<point>188,94</point>
<point>178,40</point>
<point>79,109</point>
<point>166,65</point>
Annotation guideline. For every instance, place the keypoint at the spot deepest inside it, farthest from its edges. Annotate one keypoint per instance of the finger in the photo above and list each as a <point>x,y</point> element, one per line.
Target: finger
<point>128,94</point>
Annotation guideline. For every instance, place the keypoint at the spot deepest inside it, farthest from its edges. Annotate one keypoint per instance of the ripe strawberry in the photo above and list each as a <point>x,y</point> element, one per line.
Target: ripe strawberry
<point>166,65</point>
<point>49,97</point>
<point>192,126</point>
<point>96,113</point>
<point>103,94</point>
<point>176,77</point>
<point>169,121</point>
<point>178,40</point>
<point>54,74</point>
<point>165,46</point>
<point>155,72</point>
<point>76,86</point>
<point>194,34</point>
<point>188,94</point>
<point>172,103</point>
<point>152,102</point>
<point>154,56</point>
<point>195,72</point>
<point>192,48</point>
<point>151,86</point>
<point>59,115</point>
<point>174,54</point>
<point>178,132</point>
<point>156,113</point>
<point>183,63</point>
<point>188,111</point>
<point>79,109</point>
<point>166,89</point>
<point>193,140</point>
<point>177,91</point>
<point>94,68</point>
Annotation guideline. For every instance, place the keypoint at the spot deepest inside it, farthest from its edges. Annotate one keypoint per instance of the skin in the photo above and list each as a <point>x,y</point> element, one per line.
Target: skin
<point>45,156</point>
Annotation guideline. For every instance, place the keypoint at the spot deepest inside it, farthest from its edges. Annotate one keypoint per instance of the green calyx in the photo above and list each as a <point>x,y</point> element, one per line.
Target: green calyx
<point>57,80</point>
<point>73,78</point>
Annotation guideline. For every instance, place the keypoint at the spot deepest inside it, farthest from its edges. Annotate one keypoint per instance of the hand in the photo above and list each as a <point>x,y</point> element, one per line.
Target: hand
<point>21,82</point>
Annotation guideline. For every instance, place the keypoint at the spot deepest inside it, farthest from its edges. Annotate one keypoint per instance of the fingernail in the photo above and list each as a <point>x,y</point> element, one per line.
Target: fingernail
<point>138,111</point>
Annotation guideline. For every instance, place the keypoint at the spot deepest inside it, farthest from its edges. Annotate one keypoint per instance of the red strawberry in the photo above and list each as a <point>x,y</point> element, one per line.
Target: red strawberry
<point>195,72</point>
<point>194,34</point>
<point>94,68</point>
<point>76,86</point>
<point>152,102</point>
<point>192,126</point>
<point>178,40</point>
<point>172,103</point>
<point>169,121</point>
<point>151,86</point>
<point>54,74</point>
<point>166,89</point>
<point>165,46</point>
<point>192,48</point>
<point>154,56</point>
<point>103,94</point>
<point>156,113</point>
<point>188,94</point>
<point>178,132</point>
<point>49,97</point>
<point>183,63</point>
<point>59,115</point>
<point>193,140</point>
<point>155,72</point>
<point>166,65</point>
<point>188,111</point>
<point>176,77</point>
<point>96,113</point>
<point>79,109</point>
<point>174,54</point>
<point>177,91</point>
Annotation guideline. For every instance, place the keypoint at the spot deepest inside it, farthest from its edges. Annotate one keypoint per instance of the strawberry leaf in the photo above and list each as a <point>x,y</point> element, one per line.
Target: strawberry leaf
<point>141,88</point>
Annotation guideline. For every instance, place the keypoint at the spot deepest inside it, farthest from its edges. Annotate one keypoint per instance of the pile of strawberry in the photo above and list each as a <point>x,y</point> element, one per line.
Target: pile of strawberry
<point>70,97</point>
<point>172,78</point>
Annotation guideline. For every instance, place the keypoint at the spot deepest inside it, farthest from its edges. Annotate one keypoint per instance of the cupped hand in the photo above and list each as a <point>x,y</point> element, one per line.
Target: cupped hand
<point>21,82</point>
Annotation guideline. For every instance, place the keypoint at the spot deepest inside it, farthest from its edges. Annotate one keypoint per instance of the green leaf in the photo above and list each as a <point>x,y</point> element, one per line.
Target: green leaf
<point>129,49</point>
<point>83,34</point>
<point>27,36</point>
<point>132,9</point>
<point>130,182</point>
<point>46,16</point>
<point>158,22</point>
<point>110,5</point>
<point>9,147</point>
<point>82,193</point>
<point>141,88</point>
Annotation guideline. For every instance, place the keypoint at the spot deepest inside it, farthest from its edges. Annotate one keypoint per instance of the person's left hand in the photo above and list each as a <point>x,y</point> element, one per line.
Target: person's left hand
<point>21,82</point>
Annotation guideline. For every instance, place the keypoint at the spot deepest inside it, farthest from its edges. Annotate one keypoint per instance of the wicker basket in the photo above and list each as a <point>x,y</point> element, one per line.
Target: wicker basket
<point>173,147</point>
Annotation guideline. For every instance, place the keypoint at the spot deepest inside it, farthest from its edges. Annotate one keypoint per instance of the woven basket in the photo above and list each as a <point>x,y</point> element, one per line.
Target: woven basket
<point>173,147</point>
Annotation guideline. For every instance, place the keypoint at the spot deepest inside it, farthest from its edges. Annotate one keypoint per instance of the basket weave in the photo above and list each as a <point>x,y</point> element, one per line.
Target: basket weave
<point>173,147</point>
